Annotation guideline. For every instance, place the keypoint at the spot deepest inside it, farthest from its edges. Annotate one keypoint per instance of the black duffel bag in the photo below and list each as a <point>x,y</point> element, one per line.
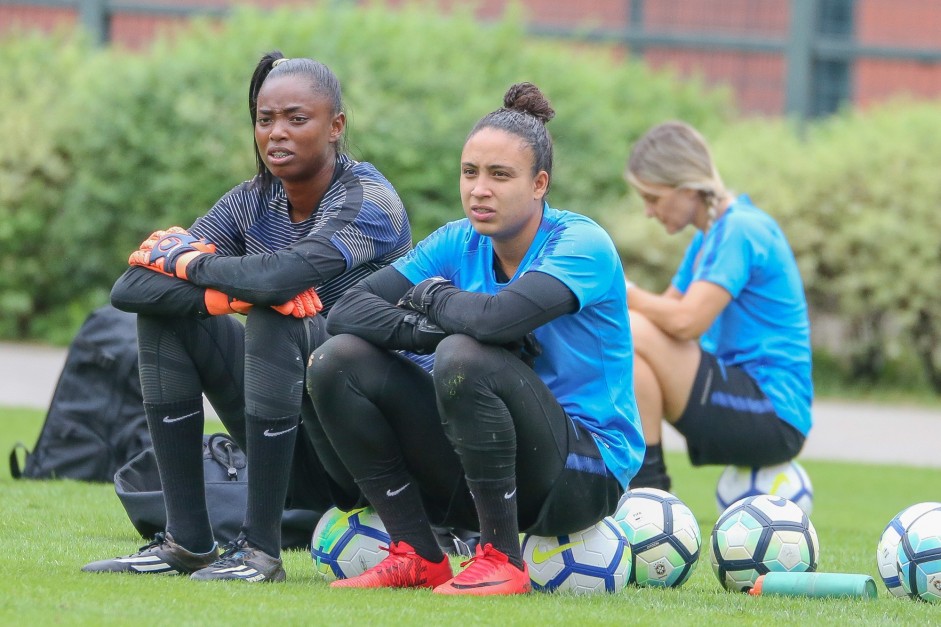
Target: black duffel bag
<point>137,485</point>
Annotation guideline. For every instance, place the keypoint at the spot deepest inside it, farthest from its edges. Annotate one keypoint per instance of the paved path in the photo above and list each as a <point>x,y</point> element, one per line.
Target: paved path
<point>842,430</point>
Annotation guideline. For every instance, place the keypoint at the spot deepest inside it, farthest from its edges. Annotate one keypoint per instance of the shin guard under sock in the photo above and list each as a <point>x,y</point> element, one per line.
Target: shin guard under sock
<point>398,502</point>
<point>495,500</point>
<point>176,429</point>
<point>270,444</point>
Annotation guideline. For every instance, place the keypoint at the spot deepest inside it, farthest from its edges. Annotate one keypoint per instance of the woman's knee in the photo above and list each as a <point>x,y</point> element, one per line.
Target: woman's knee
<point>264,322</point>
<point>456,357</point>
<point>644,333</point>
<point>333,359</point>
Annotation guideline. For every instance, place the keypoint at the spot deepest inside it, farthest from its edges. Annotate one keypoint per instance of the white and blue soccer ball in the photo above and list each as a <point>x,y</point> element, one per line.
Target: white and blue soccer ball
<point>887,549</point>
<point>919,557</point>
<point>789,480</point>
<point>346,544</point>
<point>664,536</point>
<point>762,534</point>
<point>597,559</point>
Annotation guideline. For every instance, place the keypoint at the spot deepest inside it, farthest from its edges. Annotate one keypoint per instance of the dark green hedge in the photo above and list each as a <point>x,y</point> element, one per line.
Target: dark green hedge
<point>104,146</point>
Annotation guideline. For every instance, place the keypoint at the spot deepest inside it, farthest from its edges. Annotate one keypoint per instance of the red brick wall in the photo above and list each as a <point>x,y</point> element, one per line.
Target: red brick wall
<point>756,79</point>
<point>882,22</point>
<point>36,18</point>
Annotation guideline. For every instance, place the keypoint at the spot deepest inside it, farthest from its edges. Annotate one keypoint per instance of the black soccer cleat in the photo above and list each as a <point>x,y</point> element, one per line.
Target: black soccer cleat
<point>242,562</point>
<point>162,556</point>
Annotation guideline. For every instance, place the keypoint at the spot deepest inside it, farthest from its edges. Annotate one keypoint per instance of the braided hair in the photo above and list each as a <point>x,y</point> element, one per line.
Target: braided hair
<point>676,155</point>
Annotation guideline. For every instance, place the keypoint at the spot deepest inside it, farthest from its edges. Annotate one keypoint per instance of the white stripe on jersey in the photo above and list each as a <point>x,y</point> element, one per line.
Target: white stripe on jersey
<point>245,222</point>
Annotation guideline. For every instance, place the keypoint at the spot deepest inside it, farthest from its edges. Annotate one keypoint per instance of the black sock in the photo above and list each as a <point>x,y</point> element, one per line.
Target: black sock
<point>495,500</point>
<point>397,500</point>
<point>653,472</point>
<point>176,429</point>
<point>270,449</point>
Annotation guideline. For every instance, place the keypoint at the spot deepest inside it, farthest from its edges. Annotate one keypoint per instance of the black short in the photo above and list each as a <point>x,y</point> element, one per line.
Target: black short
<point>582,493</point>
<point>729,420</point>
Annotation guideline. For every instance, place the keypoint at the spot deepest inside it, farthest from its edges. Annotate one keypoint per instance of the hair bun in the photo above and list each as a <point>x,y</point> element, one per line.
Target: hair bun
<point>527,98</point>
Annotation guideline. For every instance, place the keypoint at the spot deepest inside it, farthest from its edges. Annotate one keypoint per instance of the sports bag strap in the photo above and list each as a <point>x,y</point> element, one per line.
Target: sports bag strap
<point>15,470</point>
<point>222,449</point>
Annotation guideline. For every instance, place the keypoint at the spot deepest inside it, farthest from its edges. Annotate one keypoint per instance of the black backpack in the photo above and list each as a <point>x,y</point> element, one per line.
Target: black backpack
<point>96,421</point>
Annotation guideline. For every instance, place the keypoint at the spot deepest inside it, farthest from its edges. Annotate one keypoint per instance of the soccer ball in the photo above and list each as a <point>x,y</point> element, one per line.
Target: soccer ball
<point>919,555</point>
<point>762,534</point>
<point>887,549</point>
<point>597,559</point>
<point>346,544</point>
<point>789,480</point>
<point>663,534</point>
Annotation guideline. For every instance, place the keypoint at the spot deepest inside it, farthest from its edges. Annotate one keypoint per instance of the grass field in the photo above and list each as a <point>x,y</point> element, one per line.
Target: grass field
<point>50,528</point>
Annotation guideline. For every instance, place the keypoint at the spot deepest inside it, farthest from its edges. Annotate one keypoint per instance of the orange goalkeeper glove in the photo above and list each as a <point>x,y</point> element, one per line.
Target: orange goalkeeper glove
<point>170,252</point>
<point>304,305</point>
<point>148,244</point>
<point>218,303</point>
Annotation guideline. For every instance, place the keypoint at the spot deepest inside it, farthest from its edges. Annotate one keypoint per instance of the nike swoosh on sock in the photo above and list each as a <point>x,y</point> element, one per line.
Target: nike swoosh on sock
<point>395,492</point>
<point>273,434</point>
<point>168,419</point>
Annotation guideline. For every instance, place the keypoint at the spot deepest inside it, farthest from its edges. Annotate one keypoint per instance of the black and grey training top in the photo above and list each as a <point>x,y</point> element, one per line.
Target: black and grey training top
<point>264,258</point>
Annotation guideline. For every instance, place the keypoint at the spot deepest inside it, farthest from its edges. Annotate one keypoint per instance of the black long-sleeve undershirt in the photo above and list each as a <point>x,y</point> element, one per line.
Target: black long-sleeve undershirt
<point>270,278</point>
<point>369,310</point>
<point>261,279</point>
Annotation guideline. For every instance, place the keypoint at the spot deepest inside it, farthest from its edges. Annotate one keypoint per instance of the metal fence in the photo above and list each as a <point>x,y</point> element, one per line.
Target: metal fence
<point>806,58</point>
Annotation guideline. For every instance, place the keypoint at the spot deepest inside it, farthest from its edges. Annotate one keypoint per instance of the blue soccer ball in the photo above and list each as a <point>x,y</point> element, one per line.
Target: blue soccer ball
<point>919,557</point>
<point>596,559</point>
<point>664,536</point>
<point>887,549</point>
<point>346,544</point>
<point>758,535</point>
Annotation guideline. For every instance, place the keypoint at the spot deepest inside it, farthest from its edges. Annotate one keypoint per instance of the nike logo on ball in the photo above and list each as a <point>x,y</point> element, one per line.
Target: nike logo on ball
<point>168,419</point>
<point>541,554</point>
<point>395,492</point>
<point>273,434</point>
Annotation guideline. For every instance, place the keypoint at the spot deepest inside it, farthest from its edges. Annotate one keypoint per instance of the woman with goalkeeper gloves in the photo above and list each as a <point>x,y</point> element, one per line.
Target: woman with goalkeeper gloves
<point>528,421</point>
<point>724,353</point>
<point>312,218</point>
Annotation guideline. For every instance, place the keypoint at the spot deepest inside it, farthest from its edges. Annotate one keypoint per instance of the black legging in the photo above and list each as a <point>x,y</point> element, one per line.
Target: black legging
<point>257,369</point>
<point>380,410</point>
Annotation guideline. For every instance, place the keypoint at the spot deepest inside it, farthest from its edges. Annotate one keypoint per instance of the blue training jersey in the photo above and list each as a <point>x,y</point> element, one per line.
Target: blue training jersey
<point>765,328</point>
<point>587,356</point>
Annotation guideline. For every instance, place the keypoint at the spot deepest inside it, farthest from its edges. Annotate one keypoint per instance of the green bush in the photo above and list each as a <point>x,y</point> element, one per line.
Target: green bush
<point>111,145</point>
<point>38,126</point>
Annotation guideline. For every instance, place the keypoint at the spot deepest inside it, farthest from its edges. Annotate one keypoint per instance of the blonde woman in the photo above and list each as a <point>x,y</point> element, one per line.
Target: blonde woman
<point>724,353</point>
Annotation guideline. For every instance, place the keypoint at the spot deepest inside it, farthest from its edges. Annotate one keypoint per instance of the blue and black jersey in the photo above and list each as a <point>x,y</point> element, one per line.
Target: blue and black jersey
<point>765,328</point>
<point>264,258</point>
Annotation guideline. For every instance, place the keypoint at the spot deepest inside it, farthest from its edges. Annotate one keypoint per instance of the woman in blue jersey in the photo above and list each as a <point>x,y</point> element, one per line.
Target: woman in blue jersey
<point>528,420</point>
<point>724,353</point>
<point>279,248</point>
